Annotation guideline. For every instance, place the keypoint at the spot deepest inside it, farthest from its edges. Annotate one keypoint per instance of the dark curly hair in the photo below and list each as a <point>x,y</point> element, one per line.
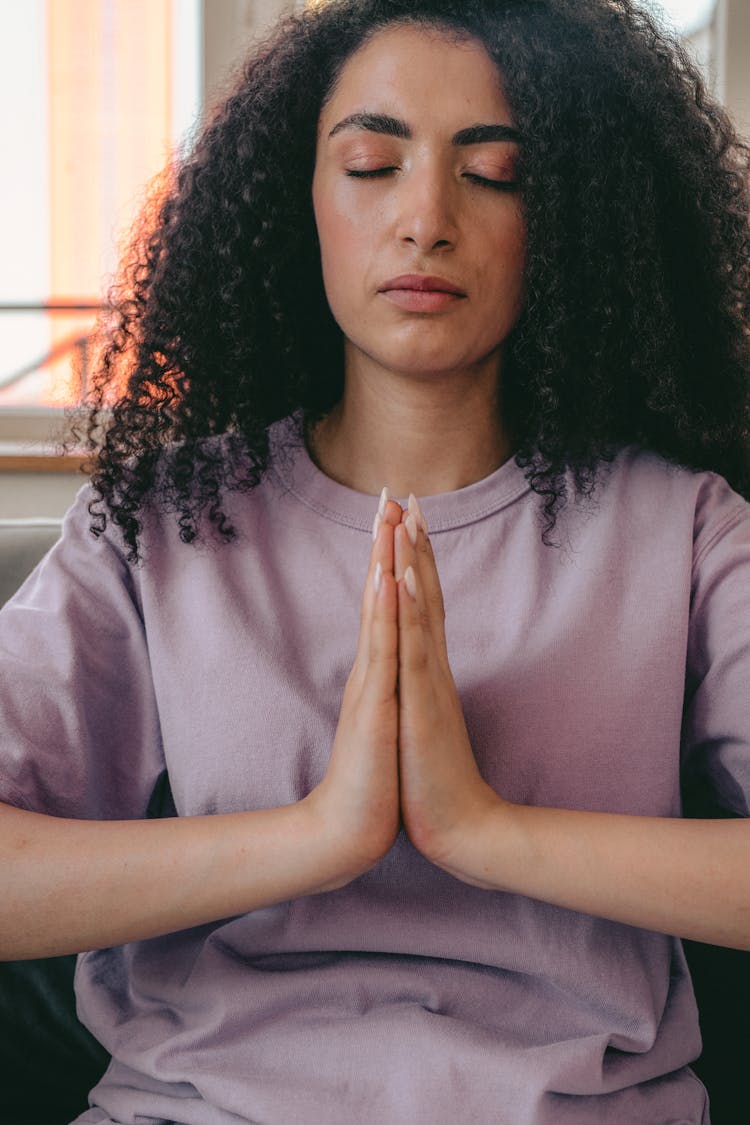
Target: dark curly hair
<point>635,326</point>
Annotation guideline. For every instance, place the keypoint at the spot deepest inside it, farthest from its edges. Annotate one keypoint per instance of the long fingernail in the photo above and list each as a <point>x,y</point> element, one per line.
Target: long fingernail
<point>384,498</point>
<point>411,582</point>
<point>411,529</point>
<point>376,526</point>
<point>416,511</point>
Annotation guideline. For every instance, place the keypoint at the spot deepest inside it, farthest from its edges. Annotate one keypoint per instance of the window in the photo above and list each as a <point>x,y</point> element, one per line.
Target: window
<point>101,91</point>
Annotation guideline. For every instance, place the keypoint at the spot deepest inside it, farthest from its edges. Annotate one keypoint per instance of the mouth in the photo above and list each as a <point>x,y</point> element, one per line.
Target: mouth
<point>422,294</point>
<point>421,283</point>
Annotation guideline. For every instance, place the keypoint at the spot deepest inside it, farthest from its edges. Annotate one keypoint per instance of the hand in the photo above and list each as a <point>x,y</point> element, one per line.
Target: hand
<point>442,792</point>
<point>356,803</point>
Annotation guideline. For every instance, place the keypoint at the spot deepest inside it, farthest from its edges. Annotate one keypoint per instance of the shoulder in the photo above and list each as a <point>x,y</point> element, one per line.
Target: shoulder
<point>189,493</point>
<point>648,511</point>
<point>640,480</point>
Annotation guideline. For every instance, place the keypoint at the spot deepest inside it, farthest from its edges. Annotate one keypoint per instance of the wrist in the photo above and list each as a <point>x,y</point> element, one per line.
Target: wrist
<point>483,848</point>
<point>343,854</point>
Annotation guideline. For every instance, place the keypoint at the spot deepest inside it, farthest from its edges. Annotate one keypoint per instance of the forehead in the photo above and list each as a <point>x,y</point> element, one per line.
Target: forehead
<point>429,71</point>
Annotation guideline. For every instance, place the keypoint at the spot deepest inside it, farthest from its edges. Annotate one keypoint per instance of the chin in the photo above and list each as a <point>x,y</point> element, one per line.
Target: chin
<point>420,368</point>
<point>430,366</point>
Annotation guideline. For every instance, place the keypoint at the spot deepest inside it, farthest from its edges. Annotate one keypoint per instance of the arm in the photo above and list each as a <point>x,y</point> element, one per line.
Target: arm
<point>95,873</point>
<point>69,885</point>
<point>682,877</point>
<point>690,878</point>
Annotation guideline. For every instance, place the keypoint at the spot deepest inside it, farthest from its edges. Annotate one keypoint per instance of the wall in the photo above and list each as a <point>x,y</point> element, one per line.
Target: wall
<point>732,23</point>
<point>37,494</point>
<point>49,482</point>
<point>229,26</point>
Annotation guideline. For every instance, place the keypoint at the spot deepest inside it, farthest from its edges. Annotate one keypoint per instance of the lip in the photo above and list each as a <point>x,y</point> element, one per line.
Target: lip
<point>421,283</point>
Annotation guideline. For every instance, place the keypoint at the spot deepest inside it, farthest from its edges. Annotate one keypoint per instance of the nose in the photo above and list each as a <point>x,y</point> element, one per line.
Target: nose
<point>426,210</point>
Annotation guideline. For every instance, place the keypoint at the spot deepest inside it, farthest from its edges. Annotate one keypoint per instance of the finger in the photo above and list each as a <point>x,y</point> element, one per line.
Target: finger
<point>380,673</point>
<point>406,562</point>
<point>389,511</point>
<point>381,563</point>
<point>415,649</point>
<point>403,552</point>
<point>429,578</point>
<point>422,559</point>
<point>381,566</point>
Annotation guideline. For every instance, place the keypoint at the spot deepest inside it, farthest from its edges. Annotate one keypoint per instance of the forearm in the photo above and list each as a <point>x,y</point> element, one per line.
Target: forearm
<point>690,878</point>
<point>69,885</point>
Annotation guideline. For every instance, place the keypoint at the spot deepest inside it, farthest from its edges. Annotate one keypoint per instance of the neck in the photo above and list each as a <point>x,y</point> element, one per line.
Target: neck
<point>424,436</point>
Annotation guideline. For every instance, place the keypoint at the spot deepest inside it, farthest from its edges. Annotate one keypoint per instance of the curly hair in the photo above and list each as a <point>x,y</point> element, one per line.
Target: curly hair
<point>635,324</point>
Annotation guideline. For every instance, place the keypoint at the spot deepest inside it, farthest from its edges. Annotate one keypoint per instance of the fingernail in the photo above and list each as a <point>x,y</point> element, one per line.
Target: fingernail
<point>411,582</point>
<point>376,526</point>
<point>416,511</point>
<point>411,529</point>
<point>384,498</point>
<point>378,576</point>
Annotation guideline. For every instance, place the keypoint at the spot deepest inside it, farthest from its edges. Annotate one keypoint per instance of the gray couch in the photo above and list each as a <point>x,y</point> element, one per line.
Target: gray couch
<point>23,542</point>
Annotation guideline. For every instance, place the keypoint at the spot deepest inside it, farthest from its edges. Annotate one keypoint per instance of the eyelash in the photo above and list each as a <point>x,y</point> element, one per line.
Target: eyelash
<point>482,181</point>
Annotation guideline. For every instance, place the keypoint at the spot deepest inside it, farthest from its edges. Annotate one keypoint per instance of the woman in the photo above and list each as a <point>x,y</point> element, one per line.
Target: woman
<point>495,258</point>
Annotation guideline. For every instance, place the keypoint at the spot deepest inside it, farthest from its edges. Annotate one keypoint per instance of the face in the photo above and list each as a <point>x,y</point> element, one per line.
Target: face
<point>408,192</point>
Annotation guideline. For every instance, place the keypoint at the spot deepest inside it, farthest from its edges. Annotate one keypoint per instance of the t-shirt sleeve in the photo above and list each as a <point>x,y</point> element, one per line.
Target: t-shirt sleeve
<point>716,727</point>
<point>79,727</point>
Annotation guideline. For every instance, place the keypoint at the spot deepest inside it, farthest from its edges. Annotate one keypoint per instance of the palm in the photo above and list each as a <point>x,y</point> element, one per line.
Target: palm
<point>441,789</point>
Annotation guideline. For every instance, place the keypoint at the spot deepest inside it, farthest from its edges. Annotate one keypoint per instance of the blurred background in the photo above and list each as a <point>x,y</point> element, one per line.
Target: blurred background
<point>96,95</point>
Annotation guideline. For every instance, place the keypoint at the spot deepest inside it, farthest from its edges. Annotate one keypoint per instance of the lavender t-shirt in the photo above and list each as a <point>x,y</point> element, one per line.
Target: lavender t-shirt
<point>595,675</point>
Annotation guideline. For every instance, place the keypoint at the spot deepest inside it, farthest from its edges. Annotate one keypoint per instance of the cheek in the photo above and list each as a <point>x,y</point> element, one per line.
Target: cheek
<point>334,234</point>
<point>330,235</point>
<point>510,255</point>
<point>343,250</point>
<point>503,277</point>
<point>338,259</point>
<point>520,233</point>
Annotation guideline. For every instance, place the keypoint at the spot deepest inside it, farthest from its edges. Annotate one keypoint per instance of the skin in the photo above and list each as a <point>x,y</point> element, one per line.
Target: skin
<point>420,408</point>
<point>684,877</point>
<point>419,411</point>
<point>421,398</point>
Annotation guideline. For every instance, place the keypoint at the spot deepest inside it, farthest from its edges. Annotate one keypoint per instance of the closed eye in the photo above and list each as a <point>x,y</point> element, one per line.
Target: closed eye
<point>369,174</point>
<point>483,181</point>
<point>498,185</point>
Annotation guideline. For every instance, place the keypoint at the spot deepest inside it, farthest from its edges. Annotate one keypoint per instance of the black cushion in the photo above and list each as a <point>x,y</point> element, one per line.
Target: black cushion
<point>721,978</point>
<point>48,1060</point>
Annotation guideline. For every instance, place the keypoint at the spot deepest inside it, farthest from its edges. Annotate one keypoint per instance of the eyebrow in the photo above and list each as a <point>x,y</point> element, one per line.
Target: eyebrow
<point>393,127</point>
